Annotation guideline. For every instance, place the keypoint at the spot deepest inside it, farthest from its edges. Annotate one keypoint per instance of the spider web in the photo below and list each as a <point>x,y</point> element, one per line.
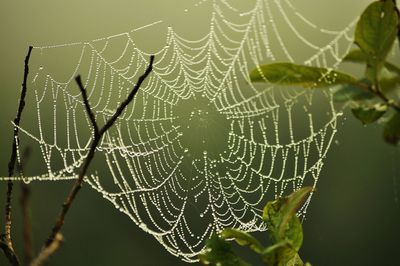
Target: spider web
<point>200,148</point>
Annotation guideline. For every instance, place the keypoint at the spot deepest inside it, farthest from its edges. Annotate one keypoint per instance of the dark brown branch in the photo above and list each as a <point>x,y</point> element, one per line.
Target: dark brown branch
<point>11,165</point>
<point>48,251</point>
<point>87,105</point>
<point>132,94</point>
<point>89,157</point>
<point>10,254</point>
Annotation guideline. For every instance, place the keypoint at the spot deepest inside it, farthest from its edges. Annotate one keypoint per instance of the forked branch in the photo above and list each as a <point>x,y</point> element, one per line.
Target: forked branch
<point>98,134</point>
<point>6,241</point>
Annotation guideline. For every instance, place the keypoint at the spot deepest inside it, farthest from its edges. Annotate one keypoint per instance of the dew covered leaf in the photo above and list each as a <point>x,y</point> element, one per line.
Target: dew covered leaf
<point>281,218</point>
<point>285,229</point>
<point>299,75</point>
<point>375,34</point>
<point>243,239</point>
<point>219,252</point>
<point>281,254</point>
<point>391,132</point>
<point>369,114</point>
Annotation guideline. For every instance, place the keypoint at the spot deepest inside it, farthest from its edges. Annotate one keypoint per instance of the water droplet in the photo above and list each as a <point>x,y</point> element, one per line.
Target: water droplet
<point>143,226</point>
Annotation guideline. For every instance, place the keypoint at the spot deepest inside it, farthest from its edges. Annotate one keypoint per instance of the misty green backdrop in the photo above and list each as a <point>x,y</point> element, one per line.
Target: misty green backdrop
<point>353,219</point>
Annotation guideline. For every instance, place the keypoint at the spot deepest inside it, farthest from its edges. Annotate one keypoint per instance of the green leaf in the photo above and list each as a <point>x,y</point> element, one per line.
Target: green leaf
<point>298,75</point>
<point>357,56</point>
<point>352,93</point>
<point>294,232</point>
<point>281,218</point>
<point>375,34</point>
<point>369,114</point>
<point>281,254</point>
<point>243,239</point>
<point>219,252</point>
<point>391,132</point>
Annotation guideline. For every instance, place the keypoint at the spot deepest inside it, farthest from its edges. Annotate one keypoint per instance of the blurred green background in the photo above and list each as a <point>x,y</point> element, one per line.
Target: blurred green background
<point>353,219</point>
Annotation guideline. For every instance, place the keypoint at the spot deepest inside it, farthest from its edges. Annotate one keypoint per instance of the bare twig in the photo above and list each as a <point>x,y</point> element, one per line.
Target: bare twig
<point>10,254</point>
<point>9,251</point>
<point>98,134</point>
<point>89,111</point>
<point>24,201</point>
<point>48,251</point>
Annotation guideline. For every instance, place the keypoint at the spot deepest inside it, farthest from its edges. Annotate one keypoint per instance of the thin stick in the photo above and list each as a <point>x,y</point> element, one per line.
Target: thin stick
<point>47,251</point>
<point>10,254</point>
<point>87,105</point>
<point>124,104</point>
<point>89,157</point>
<point>12,257</point>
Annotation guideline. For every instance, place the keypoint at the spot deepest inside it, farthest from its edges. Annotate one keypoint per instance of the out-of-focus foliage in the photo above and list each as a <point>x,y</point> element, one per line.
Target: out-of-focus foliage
<point>372,98</point>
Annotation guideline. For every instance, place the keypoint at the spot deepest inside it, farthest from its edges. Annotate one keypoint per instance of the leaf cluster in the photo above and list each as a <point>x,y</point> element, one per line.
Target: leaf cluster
<point>373,97</point>
<point>285,232</point>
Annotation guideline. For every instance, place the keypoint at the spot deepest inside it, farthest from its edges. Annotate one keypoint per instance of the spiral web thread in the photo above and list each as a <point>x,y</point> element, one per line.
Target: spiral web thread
<point>154,176</point>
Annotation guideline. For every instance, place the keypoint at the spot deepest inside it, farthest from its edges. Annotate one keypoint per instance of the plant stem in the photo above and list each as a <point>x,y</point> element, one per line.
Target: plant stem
<point>98,134</point>
<point>7,246</point>
<point>377,90</point>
